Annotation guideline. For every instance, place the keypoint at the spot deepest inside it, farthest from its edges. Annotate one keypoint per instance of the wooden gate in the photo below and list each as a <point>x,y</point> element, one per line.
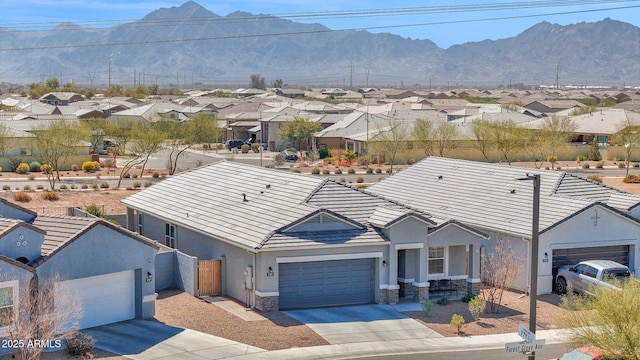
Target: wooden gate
<point>209,279</point>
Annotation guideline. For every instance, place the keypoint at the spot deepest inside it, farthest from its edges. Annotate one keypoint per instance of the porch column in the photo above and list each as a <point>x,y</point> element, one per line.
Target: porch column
<point>473,279</point>
<point>394,288</point>
<point>422,284</point>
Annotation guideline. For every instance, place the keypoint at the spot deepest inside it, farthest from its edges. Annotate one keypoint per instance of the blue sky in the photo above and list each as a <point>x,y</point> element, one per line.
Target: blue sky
<point>445,23</point>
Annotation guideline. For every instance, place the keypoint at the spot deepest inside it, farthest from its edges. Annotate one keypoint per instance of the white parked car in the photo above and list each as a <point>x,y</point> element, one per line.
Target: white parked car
<point>590,273</point>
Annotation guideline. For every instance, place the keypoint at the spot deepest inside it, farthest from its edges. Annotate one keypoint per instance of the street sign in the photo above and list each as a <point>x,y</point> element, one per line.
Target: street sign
<point>526,335</point>
<point>523,347</point>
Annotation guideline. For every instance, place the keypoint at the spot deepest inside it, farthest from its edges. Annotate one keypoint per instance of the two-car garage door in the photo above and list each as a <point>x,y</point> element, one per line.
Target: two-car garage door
<point>104,299</point>
<point>326,283</point>
<point>563,257</point>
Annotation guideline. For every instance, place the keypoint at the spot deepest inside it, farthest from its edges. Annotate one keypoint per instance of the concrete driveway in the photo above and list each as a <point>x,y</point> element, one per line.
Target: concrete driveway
<point>143,339</point>
<point>362,323</point>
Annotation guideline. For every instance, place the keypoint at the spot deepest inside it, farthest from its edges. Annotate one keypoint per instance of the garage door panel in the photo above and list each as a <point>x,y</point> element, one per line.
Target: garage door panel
<point>326,283</point>
<point>104,299</point>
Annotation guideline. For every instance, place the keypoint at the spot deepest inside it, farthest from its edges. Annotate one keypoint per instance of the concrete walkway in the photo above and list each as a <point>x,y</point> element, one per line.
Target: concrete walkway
<point>149,340</point>
<point>362,323</point>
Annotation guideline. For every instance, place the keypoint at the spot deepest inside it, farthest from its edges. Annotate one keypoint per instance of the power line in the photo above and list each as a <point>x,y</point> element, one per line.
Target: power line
<point>315,31</point>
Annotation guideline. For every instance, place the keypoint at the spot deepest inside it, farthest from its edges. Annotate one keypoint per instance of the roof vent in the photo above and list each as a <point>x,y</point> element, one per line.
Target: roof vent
<point>513,191</point>
<point>439,177</point>
<point>244,197</point>
<point>268,186</point>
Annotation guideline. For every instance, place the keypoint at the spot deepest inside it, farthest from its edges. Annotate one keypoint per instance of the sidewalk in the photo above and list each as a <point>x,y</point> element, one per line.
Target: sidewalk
<point>354,350</point>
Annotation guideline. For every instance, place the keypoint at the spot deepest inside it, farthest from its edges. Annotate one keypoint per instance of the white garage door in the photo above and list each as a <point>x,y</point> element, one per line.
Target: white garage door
<point>104,299</point>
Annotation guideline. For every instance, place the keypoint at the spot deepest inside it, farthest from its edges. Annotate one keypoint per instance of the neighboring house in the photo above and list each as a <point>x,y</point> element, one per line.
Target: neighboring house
<point>579,219</point>
<point>106,268</point>
<point>295,241</point>
<point>60,98</point>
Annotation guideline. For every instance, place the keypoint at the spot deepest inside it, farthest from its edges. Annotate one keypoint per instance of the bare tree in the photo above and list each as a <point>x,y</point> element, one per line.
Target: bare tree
<point>499,269</point>
<point>56,142</point>
<point>41,314</point>
<point>390,141</point>
<point>257,81</point>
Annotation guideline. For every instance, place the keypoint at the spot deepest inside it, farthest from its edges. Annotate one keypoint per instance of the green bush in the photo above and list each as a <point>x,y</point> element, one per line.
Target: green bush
<point>476,307</point>
<point>351,171</point>
<point>378,171</point>
<point>369,170</point>
<point>137,185</point>
<point>73,186</point>
<point>104,185</point>
<point>34,166</point>
<point>295,170</point>
<point>278,159</point>
<point>22,168</point>
<point>359,179</point>
<point>126,175</point>
<point>581,158</point>
<point>389,171</point>
<point>46,169</point>
<point>39,187</point>
<point>90,166</point>
<point>585,165</point>
<point>426,307</point>
<point>255,147</point>
<point>326,171</point>
<point>6,187</point>
<point>84,186</point>
<point>338,171</point>
<point>63,187</point>
<point>323,153</point>
<point>155,175</point>
<point>443,301</point>
<point>468,297</point>
<point>26,188</point>
<point>245,148</point>
<point>315,171</point>
<point>147,184</point>
<point>95,210</point>
<point>600,165</point>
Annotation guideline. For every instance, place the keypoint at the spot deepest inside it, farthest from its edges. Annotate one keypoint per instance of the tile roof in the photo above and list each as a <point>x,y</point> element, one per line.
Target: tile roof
<point>483,195</point>
<point>60,229</point>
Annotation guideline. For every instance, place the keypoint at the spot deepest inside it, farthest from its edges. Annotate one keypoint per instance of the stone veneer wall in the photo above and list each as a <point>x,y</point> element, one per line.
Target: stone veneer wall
<point>388,296</point>
<point>267,303</point>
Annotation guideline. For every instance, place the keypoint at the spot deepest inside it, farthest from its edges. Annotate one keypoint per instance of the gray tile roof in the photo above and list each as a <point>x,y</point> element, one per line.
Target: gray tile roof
<point>210,200</point>
<point>60,229</point>
<point>577,187</point>
<point>479,194</point>
<point>319,238</point>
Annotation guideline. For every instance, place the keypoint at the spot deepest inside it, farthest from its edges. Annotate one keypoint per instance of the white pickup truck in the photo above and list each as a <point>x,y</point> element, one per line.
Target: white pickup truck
<point>590,273</point>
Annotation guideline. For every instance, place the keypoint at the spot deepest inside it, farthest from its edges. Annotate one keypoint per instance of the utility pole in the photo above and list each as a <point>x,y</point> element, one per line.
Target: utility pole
<point>351,76</point>
<point>109,82</point>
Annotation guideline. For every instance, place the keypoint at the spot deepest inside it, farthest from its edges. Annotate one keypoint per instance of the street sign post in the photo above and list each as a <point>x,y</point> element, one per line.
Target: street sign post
<point>523,347</point>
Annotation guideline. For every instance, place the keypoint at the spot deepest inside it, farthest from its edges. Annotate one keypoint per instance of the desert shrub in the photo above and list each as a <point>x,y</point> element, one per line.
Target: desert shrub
<point>326,171</point>
<point>389,171</point>
<point>476,307</point>
<point>635,165</point>
<point>631,179</point>
<point>255,147</point>
<point>585,165</point>
<point>126,175</point>
<point>26,188</point>
<point>457,321</point>
<point>39,187</point>
<point>95,186</point>
<point>0,169</point>
<point>426,307</point>
<point>22,196</point>
<point>378,171</point>
<point>74,167</point>
<point>600,165</point>
<point>369,170</point>
<point>73,186</point>
<point>84,186</point>
<point>359,179</point>
<point>63,187</point>
<point>31,177</point>
<point>278,159</point>
<point>6,187</point>
<point>444,300</point>
<point>323,153</point>
<point>581,157</point>
<point>137,185</point>
<point>338,171</point>
<point>90,166</point>
<point>34,166</point>
<point>147,184</point>
<point>155,175</point>
<point>79,343</point>
<point>104,185</point>
<point>22,168</point>
<point>46,169</point>
<point>315,171</point>
<point>349,155</point>
<point>107,163</point>
<point>295,170</point>
<point>468,297</point>
<point>343,180</point>
<point>49,195</point>
<point>622,165</point>
<point>95,210</point>
<point>245,148</point>
<point>351,171</point>
<point>135,176</point>
<point>595,178</point>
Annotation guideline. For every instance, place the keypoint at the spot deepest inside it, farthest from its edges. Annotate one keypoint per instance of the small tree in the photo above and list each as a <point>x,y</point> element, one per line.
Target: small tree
<point>499,269</point>
<point>609,320</point>
<point>628,137</point>
<point>594,151</point>
<point>56,142</point>
<point>390,141</point>
<point>44,313</point>
<point>297,130</point>
<point>556,132</point>
<point>257,81</point>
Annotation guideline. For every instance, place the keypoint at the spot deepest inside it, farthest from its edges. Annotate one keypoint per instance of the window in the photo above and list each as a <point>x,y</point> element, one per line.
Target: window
<point>7,300</point>
<point>591,272</point>
<point>140,223</point>
<point>170,235</point>
<point>436,260</point>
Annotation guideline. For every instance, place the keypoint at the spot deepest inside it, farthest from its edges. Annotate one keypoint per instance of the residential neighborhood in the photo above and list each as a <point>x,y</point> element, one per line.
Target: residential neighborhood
<point>277,237</point>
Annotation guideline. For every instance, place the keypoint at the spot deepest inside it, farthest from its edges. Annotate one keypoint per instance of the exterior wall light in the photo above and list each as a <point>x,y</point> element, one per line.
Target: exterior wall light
<point>270,271</point>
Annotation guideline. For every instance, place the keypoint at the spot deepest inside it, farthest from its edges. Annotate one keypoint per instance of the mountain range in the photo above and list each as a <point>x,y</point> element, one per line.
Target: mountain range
<point>189,46</point>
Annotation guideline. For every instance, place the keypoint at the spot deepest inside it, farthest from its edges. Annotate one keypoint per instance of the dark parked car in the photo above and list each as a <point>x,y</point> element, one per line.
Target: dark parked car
<point>289,155</point>
<point>230,144</point>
